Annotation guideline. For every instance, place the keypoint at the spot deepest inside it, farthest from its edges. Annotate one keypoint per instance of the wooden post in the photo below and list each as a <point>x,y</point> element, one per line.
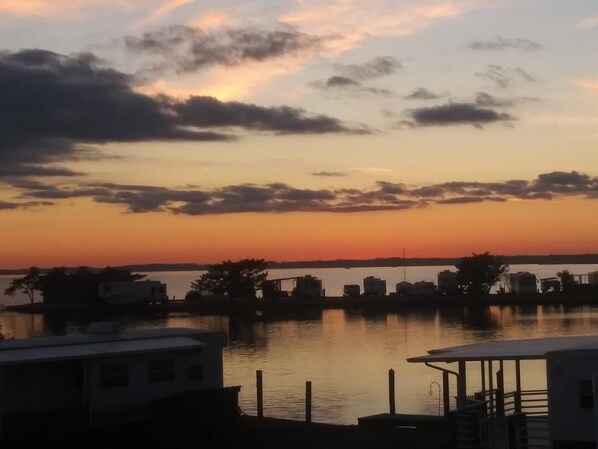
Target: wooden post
<point>445,393</point>
<point>517,386</point>
<point>260,393</point>
<point>391,391</point>
<point>308,401</point>
<point>462,385</point>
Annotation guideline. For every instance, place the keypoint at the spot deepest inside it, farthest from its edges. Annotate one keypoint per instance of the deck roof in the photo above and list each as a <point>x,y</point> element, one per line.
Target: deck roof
<point>528,349</point>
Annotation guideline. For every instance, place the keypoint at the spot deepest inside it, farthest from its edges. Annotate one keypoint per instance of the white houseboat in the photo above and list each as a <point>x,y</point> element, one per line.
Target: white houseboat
<point>565,415</point>
<point>109,376</point>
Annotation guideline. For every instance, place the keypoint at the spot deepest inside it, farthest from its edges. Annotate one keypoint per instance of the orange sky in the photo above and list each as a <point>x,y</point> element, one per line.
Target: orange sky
<point>104,236</point>
<point>172,131</point>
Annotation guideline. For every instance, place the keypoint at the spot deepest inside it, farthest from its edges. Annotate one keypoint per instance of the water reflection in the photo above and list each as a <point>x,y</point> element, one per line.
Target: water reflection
<point>345,353</point>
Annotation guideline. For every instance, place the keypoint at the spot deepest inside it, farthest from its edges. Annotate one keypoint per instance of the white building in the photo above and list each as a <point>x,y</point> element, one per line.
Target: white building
<point>112,376</point>
<point>373,286</point>
<point>404,288</point>
<point>523,282</point>
<point>132,292</point>
<point>423,288</point>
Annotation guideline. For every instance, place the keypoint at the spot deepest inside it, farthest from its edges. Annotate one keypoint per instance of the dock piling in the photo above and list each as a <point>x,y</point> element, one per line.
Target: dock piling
<point>260,393</point>
<point>391,391</point>
<point>308,401</point>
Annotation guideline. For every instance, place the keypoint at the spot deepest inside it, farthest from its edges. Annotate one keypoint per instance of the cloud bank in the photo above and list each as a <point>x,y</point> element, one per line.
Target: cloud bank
<point>280,197</point>
<point>55,108</point>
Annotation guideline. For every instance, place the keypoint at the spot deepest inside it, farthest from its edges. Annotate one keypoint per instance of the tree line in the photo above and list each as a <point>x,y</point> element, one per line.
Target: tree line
<point>61,286</point>
<point>476,275</point>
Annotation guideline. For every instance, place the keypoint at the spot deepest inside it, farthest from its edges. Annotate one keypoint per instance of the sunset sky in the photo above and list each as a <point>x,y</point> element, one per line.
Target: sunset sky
<point>165,131</point>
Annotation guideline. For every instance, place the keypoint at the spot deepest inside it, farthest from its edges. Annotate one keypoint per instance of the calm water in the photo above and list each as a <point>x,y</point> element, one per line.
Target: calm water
<point>346,354</point>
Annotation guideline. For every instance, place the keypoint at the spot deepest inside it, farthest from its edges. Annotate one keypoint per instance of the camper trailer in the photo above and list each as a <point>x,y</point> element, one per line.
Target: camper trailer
<point>132,292</point>
<point>448,282</point>
<point>523,282</point>
<point>308,287</point>
<point>373,286</point>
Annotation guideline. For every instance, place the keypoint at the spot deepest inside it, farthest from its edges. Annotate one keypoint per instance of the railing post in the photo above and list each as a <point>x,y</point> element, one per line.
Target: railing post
<point>308,401</point>
<point>500,393</point>
<point>391,391</point>
<point>260,393</point>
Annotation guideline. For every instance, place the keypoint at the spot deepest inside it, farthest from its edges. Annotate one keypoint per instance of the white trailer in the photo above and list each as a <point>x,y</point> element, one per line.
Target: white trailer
<point>523,282</point>
<point>132,292</point>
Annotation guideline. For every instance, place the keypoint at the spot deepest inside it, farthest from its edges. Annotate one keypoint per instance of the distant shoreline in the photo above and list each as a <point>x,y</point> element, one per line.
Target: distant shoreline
<point>555,259</point>
<point>385,303</point>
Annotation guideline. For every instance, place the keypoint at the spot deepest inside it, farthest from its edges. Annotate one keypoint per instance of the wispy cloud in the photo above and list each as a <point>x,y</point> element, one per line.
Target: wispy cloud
<point>280,197</point>
<point>501,43</point>
<point>587,23</point>
<point>351,77</point>
<point>163,10</point>
<point>329,174</point>
<point>185,49</point>
<point>589,84</point>
<point>504,77</point>
<point>381,18</point>
<point>55,9</point>
<point>422,94</point>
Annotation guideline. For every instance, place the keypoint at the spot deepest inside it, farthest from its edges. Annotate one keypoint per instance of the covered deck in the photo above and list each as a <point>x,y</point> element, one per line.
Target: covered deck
<point>493,417</point>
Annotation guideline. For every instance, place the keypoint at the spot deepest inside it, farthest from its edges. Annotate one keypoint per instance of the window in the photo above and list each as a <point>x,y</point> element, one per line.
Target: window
<point>114,375</point>
<point>195,373</point>
<point>106,288</point>
<point>160,370</point>
<point>586,394</point>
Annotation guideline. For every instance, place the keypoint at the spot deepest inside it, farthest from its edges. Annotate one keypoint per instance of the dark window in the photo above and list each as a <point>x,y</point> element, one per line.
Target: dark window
<point>114,375</point>
<point>106,288</point>
<point>586,394</point>
<point>195,373</point>
<point>160,370</point>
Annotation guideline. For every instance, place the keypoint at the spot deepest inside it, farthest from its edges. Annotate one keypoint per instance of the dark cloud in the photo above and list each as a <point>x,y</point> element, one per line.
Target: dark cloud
<point>422,94</point>
<point>53,108</point>
<point>503,76</point>
<point>187,49</point>
<point>457,114</point>
<point>380,66</point>
<point>280,197</point>
<point>210,112</point>
<point>500,43</point>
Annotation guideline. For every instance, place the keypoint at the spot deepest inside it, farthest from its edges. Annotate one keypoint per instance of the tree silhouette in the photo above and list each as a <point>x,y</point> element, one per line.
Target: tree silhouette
<point>479,272</point>
<point>237,279</point>
<point>567,280</point>
<point>27,284</point>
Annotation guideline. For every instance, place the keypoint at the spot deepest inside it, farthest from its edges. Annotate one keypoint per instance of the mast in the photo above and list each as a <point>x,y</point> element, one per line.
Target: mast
<point>404,268</point>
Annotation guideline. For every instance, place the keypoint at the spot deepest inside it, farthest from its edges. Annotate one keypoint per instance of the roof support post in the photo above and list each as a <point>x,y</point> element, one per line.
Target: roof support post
<point>462,385</point>
<point>483,376</point>
<point>445,386</point>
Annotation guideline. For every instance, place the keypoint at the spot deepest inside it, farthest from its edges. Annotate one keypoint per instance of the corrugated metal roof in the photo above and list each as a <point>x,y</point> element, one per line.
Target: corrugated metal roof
<point>529,349</point>
<point>84,346</point>
<point>15,356</point>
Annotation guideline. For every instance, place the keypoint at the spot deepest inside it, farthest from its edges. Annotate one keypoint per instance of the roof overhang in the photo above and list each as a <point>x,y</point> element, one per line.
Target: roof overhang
<point>112,348</point>
<point>528,349</point>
